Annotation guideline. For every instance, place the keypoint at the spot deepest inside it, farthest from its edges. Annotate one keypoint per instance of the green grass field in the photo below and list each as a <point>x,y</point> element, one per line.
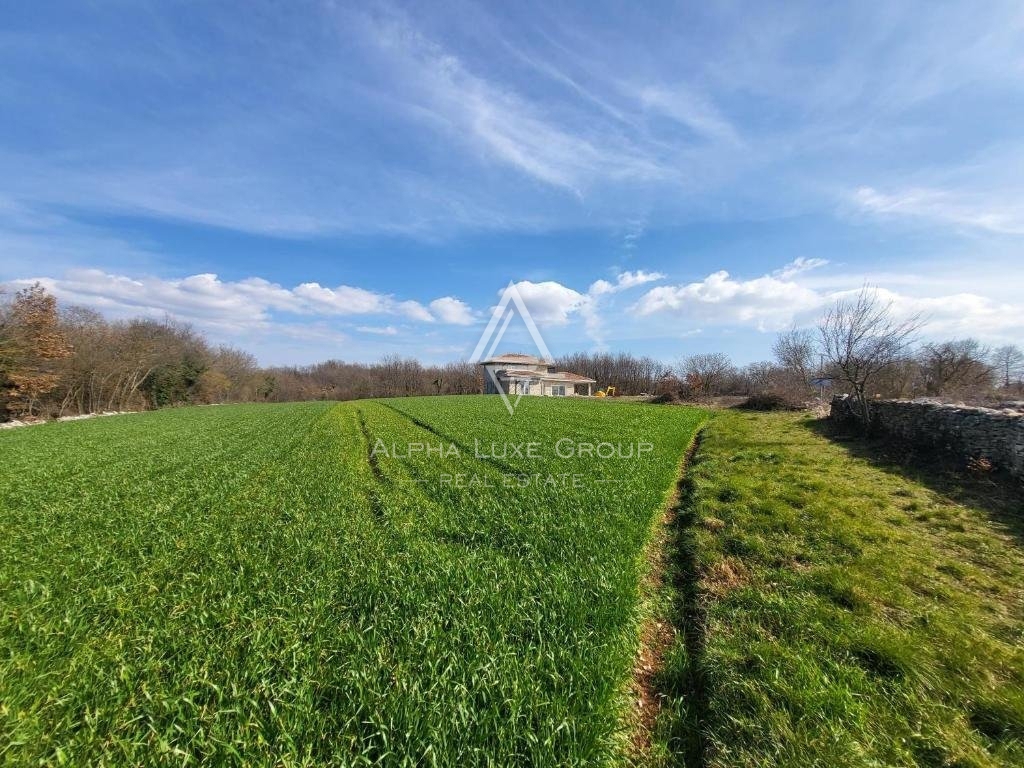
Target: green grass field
<point>249,584</point>
<point>428,581</point>
<point>846,607</point>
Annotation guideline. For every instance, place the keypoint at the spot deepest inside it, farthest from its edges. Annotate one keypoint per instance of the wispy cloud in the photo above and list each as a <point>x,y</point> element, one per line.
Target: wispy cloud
<point>503,124</point>
<point>387,330</point>
<point>689,109</point>
<point>942,206</point>
<point>799,265</point>
<point>387,120</point>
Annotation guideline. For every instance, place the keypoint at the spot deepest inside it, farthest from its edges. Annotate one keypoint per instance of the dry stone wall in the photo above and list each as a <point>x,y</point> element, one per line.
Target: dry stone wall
<point>995,434</point>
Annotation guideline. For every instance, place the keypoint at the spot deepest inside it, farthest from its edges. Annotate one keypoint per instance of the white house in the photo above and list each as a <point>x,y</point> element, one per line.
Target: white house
<point>517,374</point>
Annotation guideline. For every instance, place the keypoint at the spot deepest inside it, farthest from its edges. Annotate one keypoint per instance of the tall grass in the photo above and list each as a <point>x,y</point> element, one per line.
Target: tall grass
<point>850,612</point>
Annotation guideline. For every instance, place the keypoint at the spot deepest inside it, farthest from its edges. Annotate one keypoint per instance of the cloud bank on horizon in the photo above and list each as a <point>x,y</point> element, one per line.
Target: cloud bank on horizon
<point>764,304</point>
<point>343,180</point>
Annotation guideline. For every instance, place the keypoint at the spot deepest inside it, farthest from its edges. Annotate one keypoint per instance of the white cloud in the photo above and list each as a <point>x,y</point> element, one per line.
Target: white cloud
<point>591,308</point>
<point>343,300</point>
<point>625,281</point>
<point>553,304</point>
<point>414,311</point>
<point>777,300</point>
<point>202,298</point>
<point>956,315</point>
<point>765,302</point>
<point>310,319</point>
<point>239,305</point>
<point>448,309</point>
<point>628,280</point>
<point>550,302</point>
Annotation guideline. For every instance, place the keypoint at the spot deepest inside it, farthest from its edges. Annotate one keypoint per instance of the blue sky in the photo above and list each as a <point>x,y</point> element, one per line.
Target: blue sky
<point>329,180</point>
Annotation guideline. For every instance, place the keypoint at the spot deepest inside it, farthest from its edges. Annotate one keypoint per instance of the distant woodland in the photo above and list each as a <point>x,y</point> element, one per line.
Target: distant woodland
<point>67,360</point>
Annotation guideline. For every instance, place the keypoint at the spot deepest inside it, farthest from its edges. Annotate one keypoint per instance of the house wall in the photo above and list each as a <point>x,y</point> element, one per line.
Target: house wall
<point>489,388</point>
<point>545,388</point>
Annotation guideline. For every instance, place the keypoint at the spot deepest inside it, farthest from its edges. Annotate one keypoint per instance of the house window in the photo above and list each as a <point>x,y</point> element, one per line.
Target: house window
<point>558,389</point>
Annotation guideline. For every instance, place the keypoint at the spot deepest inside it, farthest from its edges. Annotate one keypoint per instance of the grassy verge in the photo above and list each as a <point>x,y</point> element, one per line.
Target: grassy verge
<point>838,610</point>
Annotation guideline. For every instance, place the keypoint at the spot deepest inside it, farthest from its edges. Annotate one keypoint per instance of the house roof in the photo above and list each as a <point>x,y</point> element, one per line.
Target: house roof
<point>575,377</point>
<point>515,357</point>
<point>514,374</point>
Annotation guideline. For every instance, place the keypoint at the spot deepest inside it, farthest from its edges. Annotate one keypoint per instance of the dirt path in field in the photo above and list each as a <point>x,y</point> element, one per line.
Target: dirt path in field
<point>669,592</point>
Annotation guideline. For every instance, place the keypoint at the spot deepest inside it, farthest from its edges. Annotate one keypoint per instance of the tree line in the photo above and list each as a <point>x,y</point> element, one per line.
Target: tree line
<point>59,361</point>
<point>63,361</point>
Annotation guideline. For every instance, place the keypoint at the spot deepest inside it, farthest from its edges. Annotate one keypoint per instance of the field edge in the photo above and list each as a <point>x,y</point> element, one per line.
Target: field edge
<point>664,607</point>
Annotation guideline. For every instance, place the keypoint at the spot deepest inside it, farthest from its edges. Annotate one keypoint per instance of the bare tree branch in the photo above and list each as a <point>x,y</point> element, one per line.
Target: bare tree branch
<point>861,339</point>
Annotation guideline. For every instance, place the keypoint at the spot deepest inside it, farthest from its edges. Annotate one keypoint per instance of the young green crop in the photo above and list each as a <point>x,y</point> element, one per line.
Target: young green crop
<point>257,584</point>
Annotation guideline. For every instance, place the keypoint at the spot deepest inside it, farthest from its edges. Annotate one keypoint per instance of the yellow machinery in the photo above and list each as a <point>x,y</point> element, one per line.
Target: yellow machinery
<point>606,392</point>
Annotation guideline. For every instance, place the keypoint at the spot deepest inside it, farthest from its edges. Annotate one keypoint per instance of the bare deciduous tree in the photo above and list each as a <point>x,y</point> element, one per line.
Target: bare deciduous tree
<point>795,351</point>
<point>759,377</point>
<point>629,374</point>
<point>954,366</point>
<point>708,373</point>
<point>1009,364</point>
<point>861,339</point>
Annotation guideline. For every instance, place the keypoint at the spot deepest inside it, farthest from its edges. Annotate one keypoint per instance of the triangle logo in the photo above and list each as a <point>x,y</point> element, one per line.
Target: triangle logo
<point>511,303</point>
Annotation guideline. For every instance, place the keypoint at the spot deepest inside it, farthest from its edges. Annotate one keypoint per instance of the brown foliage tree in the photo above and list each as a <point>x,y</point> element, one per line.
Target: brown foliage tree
<point>31,342</point>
